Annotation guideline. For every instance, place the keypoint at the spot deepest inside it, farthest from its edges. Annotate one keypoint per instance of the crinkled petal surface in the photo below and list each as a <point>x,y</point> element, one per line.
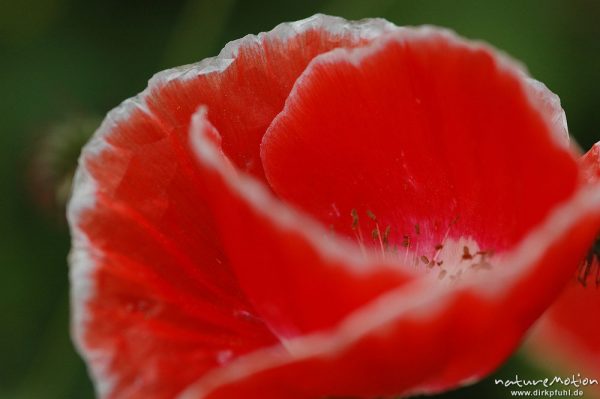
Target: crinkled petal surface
<point>229,254</point>
<point>566,337</point>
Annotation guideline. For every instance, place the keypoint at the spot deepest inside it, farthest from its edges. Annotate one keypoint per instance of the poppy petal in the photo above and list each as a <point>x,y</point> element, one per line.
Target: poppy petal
<point>142,306</point>
<point>426,133</point>
<point>247,84</point>
<point>566,338</point>
<point>155,302</point>
<point>467,328</point>
<point>298,275</point>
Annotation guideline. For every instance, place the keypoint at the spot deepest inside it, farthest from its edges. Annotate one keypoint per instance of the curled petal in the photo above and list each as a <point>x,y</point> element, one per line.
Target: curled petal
<point>155,301</point>
<point>300,277</point>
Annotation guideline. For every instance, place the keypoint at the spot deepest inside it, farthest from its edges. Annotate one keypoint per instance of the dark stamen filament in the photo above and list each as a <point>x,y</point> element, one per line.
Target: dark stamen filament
<point>591,260</point>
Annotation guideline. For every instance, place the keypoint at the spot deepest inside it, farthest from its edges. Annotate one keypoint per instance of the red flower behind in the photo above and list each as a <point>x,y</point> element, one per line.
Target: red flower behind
<point>355,209</point>
<point>566,337</point>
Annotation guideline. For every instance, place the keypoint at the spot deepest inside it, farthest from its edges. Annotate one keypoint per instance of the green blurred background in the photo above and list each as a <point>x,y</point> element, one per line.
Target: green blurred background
<point>65,63</point>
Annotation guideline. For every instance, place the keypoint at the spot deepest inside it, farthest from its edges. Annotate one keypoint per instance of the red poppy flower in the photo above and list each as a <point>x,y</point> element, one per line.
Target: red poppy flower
<point>329,209</point>
<point>566,338</point>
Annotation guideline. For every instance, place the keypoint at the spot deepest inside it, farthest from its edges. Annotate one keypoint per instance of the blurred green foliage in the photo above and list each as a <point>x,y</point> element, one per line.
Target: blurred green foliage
<point>61,59</point>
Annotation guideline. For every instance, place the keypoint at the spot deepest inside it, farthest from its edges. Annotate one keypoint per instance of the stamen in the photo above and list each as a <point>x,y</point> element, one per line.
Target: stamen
<point>371,215</point>
<point>591,260</point>
<point>466,253</point>
<point>454,221</point>
<point>421,249</point>
<point>386,235</point>
<point>357,231</point>
<point>375,234</point>
<point>483,264</point>
<point>354,214</point>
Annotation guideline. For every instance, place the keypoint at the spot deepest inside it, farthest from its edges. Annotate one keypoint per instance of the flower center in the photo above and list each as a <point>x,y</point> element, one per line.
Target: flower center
<point>448,256</point>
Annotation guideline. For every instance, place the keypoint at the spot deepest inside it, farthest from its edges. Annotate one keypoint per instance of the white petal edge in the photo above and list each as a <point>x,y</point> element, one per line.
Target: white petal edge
<point>538,94</point>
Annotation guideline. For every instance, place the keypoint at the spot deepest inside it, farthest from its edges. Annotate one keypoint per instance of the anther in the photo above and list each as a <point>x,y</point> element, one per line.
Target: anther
<point>354,214</point>
<point>466,253</point>
<point>386,235</point>
<point>591,259</point>
<point>371,215</point>
<point>375,234</point>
